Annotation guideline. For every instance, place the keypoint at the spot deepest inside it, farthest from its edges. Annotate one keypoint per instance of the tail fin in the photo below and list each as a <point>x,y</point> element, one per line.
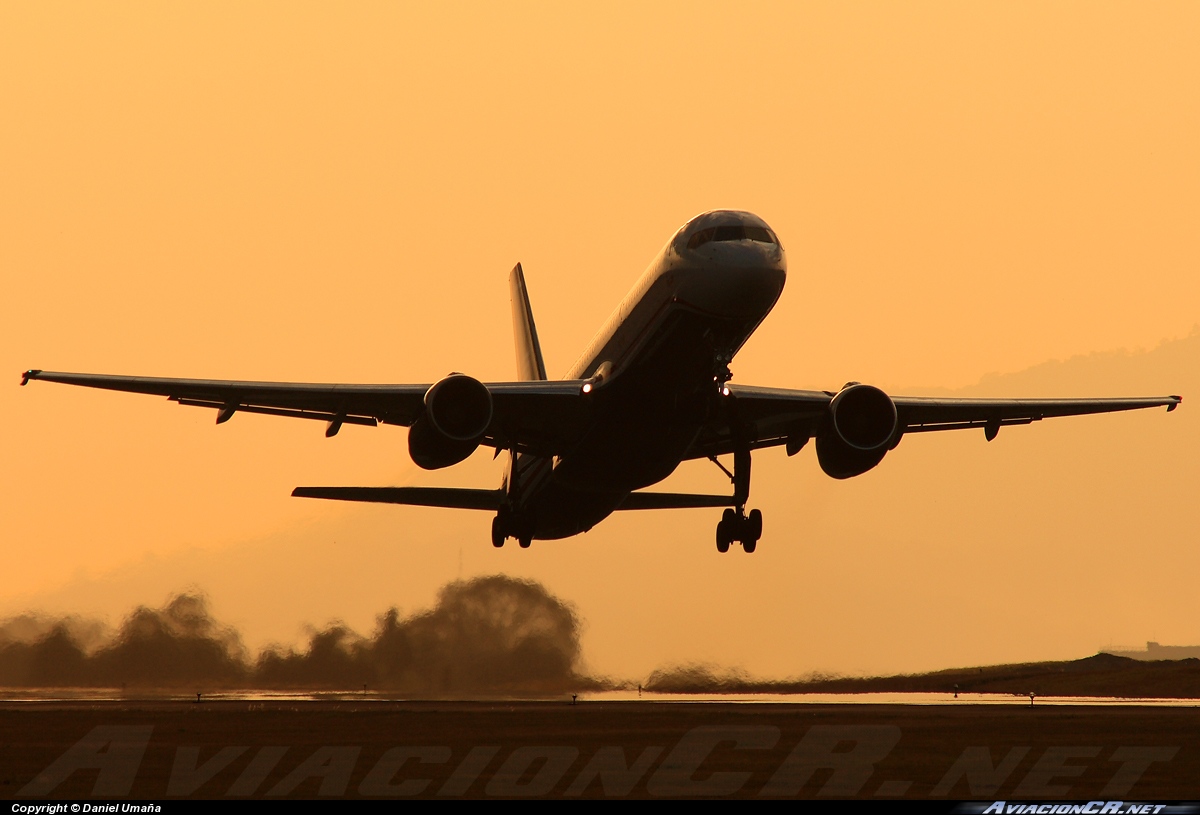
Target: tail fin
<point>529,352</point>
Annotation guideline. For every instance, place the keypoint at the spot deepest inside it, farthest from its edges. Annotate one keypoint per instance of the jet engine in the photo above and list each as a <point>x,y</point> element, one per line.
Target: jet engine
<point>862,428</point>
<point>458,410</point>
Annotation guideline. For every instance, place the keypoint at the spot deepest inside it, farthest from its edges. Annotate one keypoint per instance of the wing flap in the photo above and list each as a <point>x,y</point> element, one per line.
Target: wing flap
<point>295,413</point>
<point>759,417</point>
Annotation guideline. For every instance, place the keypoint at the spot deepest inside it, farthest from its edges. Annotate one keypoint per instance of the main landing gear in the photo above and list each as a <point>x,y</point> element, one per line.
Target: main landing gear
<point>736,524</point>
<point>505,526</point>
<point>509,523</point>
<point>740,527</point>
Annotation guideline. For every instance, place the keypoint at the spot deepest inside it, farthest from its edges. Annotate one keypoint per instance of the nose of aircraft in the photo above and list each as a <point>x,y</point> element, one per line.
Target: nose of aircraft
<point>740,290</point>
<point>731,264</point>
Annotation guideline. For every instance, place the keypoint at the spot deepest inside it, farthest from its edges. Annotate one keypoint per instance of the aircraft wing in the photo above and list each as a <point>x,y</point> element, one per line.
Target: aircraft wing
<point>543,417</point>
<point>921,414</point>
<point>770,417</point>
<point>536,416</point>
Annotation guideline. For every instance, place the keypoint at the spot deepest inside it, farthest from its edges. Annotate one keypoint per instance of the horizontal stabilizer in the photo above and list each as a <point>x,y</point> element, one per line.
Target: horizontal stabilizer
<point>415,496</point>
<point>674,500</point>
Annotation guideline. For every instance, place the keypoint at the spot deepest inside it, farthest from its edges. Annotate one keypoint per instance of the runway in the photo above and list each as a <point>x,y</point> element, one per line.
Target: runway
<point>366,747</point>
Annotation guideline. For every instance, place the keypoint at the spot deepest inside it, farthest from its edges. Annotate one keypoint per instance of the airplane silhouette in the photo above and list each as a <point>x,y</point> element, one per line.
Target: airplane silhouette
<point>652,390</point>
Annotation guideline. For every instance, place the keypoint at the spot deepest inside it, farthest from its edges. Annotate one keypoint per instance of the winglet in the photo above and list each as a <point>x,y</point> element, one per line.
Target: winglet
<point>530,366</point>
<point>1170,407</point>
<point>32,373</point>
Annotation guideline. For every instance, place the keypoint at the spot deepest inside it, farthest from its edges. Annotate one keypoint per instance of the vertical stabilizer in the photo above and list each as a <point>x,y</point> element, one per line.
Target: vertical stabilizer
<point>529,352</point>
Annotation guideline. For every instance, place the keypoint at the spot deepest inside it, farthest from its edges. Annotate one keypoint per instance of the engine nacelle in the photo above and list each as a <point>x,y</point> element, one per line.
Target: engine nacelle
<point>458,410</point>
<point>863,424</point>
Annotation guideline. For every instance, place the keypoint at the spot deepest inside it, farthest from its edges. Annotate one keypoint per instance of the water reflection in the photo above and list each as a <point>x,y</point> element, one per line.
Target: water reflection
<point>19,695</point>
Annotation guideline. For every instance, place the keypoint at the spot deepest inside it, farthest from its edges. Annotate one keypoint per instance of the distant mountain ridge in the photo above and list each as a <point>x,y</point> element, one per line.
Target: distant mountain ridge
<point>1102,675</point>
<point>1155,652</point>
<point>1171,367</point>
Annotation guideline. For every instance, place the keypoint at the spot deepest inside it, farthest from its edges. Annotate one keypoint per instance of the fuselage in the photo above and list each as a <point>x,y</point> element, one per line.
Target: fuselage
<point>656,368</point>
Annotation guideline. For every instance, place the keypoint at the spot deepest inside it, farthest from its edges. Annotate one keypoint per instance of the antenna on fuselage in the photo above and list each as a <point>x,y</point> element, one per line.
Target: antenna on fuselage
<point>530,366</point>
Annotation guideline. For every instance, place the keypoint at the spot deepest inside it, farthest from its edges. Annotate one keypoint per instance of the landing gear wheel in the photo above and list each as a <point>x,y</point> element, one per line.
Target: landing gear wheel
<point>726,530</point>
<point>750,528</point>
<point>723,537</point>
<point>498,535</point>
<point>524,541</point>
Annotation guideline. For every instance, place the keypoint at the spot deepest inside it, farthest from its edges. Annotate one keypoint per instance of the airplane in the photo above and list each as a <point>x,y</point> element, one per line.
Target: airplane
<point>653,389</point>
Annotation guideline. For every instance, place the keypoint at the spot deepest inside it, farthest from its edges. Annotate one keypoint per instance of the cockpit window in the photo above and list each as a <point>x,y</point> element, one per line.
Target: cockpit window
<point>731,233</point>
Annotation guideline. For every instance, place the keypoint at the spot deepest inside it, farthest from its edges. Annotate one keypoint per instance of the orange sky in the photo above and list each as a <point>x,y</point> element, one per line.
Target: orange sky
<point>314,192</point>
